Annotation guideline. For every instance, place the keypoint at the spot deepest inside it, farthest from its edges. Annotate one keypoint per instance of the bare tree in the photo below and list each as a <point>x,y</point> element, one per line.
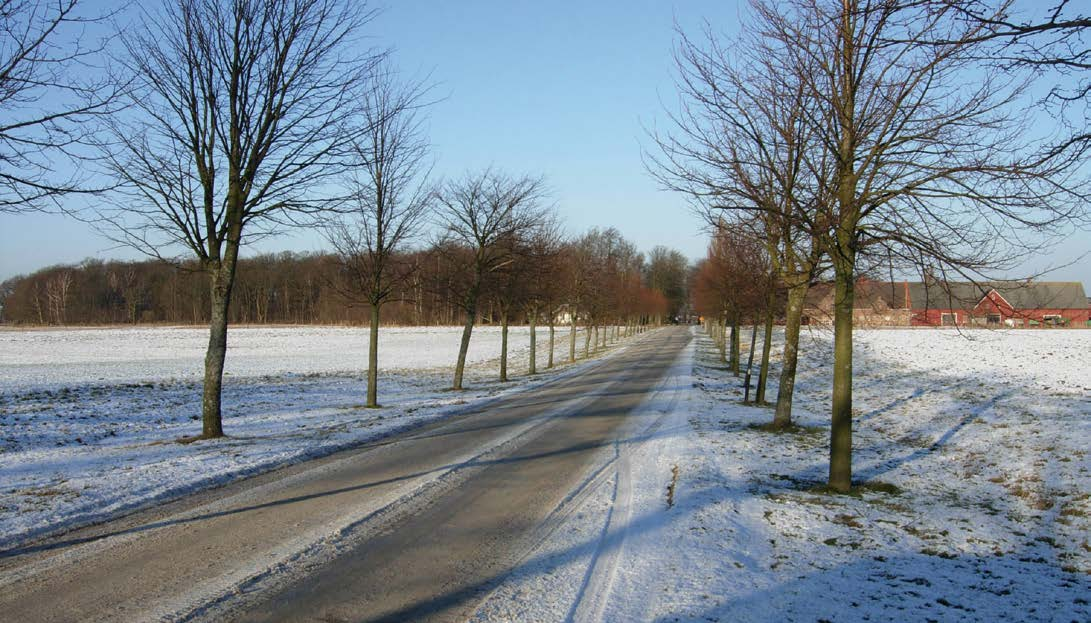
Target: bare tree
<point>1049,40</point>
<point>390,202</point>
<point>578,259</point>
<point>241,112</point>
<point>509,288</point>
<point>600,259</point>
<point>729,287</point>
<point>51,94</point>
<point>741,147</point>
<point>929,154</point>
<point>523,282</point>
<point>56,292</point>
<point>549,279</point>
<point>480,213</point>
<point>540,255</point>
<point>124,283</point>
<point>666,271</point>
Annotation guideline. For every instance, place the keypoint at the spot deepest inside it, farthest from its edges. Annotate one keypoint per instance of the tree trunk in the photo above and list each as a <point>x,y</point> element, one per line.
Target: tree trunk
<point>552,331</point>
<point>503,345</point>
<point>464,345</point>
<point>373,361</point>
<point>782,417</point>
<point>533,369</point>
<point>841,415</point>
<point>587,342</point>
<point>572,339</point>
<point>767,345</point>
<point>721,339</point>
<point>735,339</point>
<point>221,281</point>
<point>750,361</point>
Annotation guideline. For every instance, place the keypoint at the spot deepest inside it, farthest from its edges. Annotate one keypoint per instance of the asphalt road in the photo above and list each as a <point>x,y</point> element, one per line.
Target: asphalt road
<point>419,527</point>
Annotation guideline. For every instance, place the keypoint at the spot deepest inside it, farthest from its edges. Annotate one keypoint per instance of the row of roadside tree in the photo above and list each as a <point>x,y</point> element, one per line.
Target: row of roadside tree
<point>193,127</point>
<point>829,137</point>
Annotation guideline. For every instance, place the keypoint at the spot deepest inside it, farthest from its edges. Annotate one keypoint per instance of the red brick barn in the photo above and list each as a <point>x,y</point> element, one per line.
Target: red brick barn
<point>996,304</point>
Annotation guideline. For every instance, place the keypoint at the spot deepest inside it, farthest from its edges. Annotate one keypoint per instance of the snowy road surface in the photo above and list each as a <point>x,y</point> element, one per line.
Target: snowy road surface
<point>418,526</point>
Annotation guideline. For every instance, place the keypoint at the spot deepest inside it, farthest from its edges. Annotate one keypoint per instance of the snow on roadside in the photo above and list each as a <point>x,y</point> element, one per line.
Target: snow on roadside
<point>84,439</point>
<point>983,439</point>
<point>976,449</point>
<point>600,553</point>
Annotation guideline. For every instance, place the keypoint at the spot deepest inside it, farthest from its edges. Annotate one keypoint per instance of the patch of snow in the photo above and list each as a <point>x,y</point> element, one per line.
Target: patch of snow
<point>980,444</point>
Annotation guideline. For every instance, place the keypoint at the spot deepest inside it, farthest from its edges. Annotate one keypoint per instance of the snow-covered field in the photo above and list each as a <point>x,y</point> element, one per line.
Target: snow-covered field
<point>975,447</point>
<point>88,417</point>
<point>60,358</point>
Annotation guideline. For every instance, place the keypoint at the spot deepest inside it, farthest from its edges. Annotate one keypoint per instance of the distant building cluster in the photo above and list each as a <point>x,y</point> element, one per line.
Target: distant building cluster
<point>957,304</point>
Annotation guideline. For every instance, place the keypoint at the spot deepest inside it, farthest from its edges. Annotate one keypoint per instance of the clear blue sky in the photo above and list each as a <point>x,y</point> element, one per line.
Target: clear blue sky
<point>562,89</point>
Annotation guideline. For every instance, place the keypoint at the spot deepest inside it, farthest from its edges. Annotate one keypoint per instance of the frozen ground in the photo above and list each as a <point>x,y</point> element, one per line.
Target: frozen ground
<point>88,418</point>
<point>975,447</point>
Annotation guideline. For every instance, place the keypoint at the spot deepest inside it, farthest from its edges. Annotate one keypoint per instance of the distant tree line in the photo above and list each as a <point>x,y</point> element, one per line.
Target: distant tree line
<point>203,125</point>
<point>309,288</point>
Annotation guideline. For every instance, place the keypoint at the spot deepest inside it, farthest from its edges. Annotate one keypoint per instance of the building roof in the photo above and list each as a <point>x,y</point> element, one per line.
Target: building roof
<point>882,295</point>
<point>1019,294</point>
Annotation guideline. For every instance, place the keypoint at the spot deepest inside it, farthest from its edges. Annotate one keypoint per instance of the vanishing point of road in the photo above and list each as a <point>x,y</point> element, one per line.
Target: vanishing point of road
<point>420,526</point>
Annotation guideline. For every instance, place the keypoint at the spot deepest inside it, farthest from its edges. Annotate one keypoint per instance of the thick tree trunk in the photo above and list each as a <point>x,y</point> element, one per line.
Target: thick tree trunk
<point>766,346</point>
<point>841,415</point>
<point>503,346</point>
<point>843,256</point>
<point>221,282</point>
<point>533,368</point>
<point>373,361</point>
<point>464,345</point>
<point>782,417</point>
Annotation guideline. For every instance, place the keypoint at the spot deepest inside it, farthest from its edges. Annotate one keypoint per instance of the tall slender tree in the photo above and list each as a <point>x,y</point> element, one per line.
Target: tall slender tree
<point>541,286</point>
<point>390,199</point>
<point>241,112</point>
<point>741,146</point>
<point>929,153</point>
<point>480,213</point>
